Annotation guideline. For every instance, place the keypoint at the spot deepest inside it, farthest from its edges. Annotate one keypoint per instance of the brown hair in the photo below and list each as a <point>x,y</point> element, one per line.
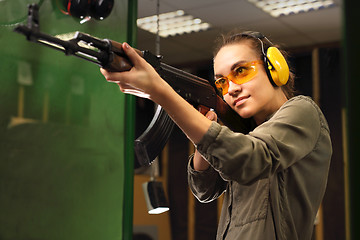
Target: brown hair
<point>254,39</point>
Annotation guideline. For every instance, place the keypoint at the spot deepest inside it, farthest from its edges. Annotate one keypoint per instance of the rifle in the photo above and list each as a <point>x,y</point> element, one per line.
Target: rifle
<point>109,55</point>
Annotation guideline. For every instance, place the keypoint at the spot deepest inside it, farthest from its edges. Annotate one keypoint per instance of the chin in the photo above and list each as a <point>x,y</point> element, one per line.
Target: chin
<point>245,114</point>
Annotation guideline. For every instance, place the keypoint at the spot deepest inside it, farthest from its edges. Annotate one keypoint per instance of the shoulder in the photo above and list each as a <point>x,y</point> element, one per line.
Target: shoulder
<point>301,109</point>
<point>301,102</point>
<point>299,115</point>
<point>300,105</point>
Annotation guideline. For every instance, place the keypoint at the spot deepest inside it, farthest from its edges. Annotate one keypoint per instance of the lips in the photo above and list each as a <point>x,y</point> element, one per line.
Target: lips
<point>241,100</point>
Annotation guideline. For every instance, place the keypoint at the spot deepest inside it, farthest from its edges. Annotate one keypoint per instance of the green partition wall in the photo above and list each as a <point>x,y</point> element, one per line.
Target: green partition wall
<point>64,147</point>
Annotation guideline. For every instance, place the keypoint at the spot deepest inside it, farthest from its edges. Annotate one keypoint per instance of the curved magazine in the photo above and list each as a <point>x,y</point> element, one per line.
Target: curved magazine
<point>152,141</point>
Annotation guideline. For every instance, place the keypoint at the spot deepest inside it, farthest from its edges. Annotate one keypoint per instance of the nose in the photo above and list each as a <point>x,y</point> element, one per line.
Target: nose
<point>234,88</point>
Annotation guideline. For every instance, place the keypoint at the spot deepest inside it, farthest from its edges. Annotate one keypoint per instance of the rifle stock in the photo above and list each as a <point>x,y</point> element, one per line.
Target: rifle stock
<point>110,55</point>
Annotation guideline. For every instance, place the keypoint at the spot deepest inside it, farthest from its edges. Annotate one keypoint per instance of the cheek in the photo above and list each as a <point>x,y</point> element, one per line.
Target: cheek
<point>260,83</point>
<point>227,99</point>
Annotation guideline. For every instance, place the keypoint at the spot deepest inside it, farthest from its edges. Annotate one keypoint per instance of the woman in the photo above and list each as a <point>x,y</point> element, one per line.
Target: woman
<point>274,177</point>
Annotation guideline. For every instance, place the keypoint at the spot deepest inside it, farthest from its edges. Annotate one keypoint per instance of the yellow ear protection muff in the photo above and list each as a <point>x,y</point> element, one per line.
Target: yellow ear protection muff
<point>98,9</point>
<point>275,64</point>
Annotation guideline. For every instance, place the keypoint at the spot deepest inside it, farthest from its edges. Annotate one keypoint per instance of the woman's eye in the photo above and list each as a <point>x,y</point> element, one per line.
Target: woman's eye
<point>240,71</point>
<point>221,81</point>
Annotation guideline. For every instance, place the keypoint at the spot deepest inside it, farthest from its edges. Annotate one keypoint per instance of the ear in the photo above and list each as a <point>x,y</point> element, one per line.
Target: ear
<point>277,65</point>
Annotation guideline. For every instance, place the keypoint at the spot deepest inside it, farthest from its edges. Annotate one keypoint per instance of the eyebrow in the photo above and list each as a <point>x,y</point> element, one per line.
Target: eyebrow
<point>232,68</point>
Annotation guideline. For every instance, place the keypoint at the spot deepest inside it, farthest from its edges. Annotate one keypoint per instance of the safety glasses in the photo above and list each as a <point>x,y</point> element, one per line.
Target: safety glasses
<point>242,73</point>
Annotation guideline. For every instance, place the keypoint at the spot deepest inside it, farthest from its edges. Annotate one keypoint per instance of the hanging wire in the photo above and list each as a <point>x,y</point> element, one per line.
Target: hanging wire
<point>155,163</point>
<point>157,41</point>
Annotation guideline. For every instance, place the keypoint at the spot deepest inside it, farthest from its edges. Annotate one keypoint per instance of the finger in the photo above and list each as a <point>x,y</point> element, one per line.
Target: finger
<point>106,74</point>
<point>103,71</point>
<point>211,115</point>
<point>114,77</point>
<point>134,57</point>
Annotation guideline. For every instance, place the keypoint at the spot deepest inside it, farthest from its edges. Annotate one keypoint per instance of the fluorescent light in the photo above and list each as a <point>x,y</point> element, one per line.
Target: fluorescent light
<point>158,210</point>
<point>277,8</point>
<point>172,23</point>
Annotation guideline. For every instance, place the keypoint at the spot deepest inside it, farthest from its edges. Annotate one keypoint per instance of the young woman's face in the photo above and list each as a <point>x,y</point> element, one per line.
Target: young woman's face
<point>256,97</point>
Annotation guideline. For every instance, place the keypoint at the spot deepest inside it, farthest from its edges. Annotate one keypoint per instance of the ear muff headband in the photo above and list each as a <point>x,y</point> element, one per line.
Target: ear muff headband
<point>274,62</point>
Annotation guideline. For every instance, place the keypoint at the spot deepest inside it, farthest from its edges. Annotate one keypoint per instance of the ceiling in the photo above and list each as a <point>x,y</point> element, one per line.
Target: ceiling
<point>294,31</point>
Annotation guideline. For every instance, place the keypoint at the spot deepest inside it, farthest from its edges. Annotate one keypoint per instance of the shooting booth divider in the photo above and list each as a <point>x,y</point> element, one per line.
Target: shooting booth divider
<point>66,157</point>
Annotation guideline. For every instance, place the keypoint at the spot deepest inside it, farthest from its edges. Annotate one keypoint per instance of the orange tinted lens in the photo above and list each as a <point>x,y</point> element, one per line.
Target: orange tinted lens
<point>222,84</point>
<point>243,73</point>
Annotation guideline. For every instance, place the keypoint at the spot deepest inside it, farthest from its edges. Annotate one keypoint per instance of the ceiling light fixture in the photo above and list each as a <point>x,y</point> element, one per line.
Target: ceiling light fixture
<point>172,23</point>
<point>277,8</point>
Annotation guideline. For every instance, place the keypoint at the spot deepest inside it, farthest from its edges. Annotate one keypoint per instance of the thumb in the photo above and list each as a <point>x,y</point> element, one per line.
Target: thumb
<point>134,56</point>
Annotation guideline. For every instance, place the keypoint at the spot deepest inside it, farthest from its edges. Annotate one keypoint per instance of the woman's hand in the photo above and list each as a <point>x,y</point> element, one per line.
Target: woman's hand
<point>141,80</point>
<point>210,114</point>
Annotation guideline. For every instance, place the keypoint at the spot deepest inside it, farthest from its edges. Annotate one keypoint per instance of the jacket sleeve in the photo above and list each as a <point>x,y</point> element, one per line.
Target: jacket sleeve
<point>290,134</point>
<point>205,185</point>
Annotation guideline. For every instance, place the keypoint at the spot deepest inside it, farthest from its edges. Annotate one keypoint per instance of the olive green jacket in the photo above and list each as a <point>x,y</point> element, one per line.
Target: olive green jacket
<point>274,178</point>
